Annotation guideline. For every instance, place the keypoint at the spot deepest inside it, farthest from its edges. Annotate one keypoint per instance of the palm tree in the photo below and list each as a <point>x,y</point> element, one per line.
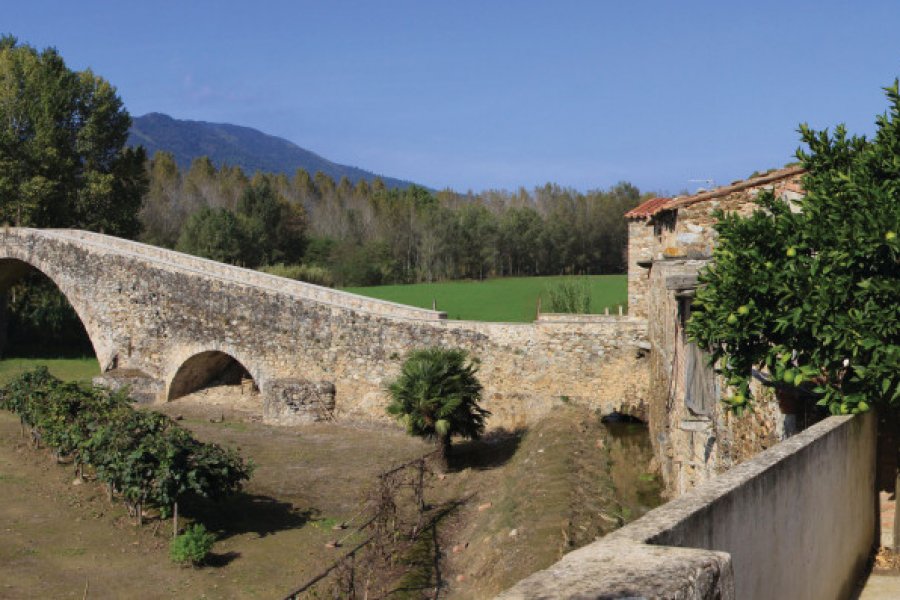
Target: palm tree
<point>436,396</point>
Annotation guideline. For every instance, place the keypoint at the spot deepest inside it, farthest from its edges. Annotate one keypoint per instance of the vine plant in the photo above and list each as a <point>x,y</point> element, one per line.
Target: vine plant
<point>143,455</point>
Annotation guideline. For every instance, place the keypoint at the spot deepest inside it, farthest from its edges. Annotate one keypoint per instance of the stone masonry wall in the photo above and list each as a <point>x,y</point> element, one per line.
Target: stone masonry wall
<point>640,248</point>
<point>693,447</point>
<point>693,233</point>
<point>149,310</point>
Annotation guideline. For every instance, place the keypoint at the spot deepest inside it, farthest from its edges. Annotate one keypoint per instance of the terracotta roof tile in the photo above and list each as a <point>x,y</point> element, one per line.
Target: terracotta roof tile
<point>647,209</point>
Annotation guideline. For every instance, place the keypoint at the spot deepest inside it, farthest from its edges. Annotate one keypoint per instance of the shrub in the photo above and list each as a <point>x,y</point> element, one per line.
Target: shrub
<point>308,273</point>
<point>193,546</point>
<point>437,396</point>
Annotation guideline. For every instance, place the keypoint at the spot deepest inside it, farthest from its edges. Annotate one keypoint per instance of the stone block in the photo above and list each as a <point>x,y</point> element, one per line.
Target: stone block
<point>683,281</point>
<point>295,401</point>
<point>631,570</point>
<point>141,387</point>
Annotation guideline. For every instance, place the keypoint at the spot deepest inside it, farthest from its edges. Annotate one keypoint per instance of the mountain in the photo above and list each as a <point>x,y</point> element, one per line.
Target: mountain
<point>248,148</point>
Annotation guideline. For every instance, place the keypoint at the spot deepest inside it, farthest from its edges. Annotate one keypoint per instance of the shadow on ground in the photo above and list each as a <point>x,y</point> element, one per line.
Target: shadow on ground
<point>247,513</point>
<point>215,559</point>
<point>491,451</point>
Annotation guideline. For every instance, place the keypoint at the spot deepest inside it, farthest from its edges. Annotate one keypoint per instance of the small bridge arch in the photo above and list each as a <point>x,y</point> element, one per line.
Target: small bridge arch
<point>195,368</point>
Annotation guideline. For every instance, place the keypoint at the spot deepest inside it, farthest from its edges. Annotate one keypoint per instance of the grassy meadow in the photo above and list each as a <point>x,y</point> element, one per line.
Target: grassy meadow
<point>508,299</point>
<point>67,369</point>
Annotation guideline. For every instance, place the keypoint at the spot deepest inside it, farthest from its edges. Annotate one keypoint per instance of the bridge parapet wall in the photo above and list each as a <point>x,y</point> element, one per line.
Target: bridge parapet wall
<point>529,368</point>
<point>299,289</point>
<point>797,521</point>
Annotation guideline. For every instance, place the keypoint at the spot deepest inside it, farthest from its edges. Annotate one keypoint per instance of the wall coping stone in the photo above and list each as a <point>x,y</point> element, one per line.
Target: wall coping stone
<point>591,318</point>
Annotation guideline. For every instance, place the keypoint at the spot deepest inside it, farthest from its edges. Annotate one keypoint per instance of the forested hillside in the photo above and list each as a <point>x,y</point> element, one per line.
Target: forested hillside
<point>244,147</point>
<point>368,234</point>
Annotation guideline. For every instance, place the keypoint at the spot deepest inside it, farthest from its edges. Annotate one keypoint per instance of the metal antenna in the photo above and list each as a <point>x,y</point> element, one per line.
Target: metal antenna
<point>710,183</point>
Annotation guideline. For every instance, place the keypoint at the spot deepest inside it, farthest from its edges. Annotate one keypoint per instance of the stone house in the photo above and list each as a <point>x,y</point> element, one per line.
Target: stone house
<point>669,241</point>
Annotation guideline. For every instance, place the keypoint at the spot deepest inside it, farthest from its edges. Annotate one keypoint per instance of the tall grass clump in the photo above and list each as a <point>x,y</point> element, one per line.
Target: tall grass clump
<point>572,296</point>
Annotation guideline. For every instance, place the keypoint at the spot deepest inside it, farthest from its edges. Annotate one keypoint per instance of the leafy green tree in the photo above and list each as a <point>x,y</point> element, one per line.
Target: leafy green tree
<point>63,161</point>
<point>477,243</point>
<point>362,190</point>
<point>519,229</point>
<point>324,184</point>
<point>366,234</point>
<point>275,230</point>
<point>200,185</point>
<point>259,213</point>
<point>303,187</point>
<point>809,292</point>
<point>214,233</point>
<point>344,187</point>
<point>436,397</point>
<point>319,251</point>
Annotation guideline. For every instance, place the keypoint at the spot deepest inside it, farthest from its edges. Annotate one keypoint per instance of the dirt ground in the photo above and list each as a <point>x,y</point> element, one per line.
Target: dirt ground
<point>531,498</point>
<point>59,539</point>
<point>566,482</point>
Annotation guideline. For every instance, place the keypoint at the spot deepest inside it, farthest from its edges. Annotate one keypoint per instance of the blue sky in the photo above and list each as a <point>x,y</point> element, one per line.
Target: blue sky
<point>496,94</point>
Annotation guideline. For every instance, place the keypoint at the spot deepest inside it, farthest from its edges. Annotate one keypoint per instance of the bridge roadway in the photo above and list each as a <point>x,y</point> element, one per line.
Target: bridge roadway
<point>167,323</point>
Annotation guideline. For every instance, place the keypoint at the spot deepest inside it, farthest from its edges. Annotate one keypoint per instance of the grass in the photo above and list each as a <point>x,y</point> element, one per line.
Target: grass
<point>507,299</point>
<point>327,523</point>
<point>67,369</point>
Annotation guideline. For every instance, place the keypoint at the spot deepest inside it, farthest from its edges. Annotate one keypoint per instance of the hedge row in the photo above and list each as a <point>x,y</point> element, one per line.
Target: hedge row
<point>143,455</point>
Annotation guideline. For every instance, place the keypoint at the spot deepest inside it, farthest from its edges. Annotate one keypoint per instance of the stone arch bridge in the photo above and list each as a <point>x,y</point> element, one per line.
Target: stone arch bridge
<point>167,323</point>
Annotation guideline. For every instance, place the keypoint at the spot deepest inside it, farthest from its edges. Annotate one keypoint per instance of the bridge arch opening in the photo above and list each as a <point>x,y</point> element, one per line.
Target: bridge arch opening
<point>622,417</point>
<point>207,369</point>
<point>37,318</point>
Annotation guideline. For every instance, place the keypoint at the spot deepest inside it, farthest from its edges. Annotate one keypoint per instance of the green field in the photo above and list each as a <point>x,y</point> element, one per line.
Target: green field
<point>67,369</point>
<point>503,299</point>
